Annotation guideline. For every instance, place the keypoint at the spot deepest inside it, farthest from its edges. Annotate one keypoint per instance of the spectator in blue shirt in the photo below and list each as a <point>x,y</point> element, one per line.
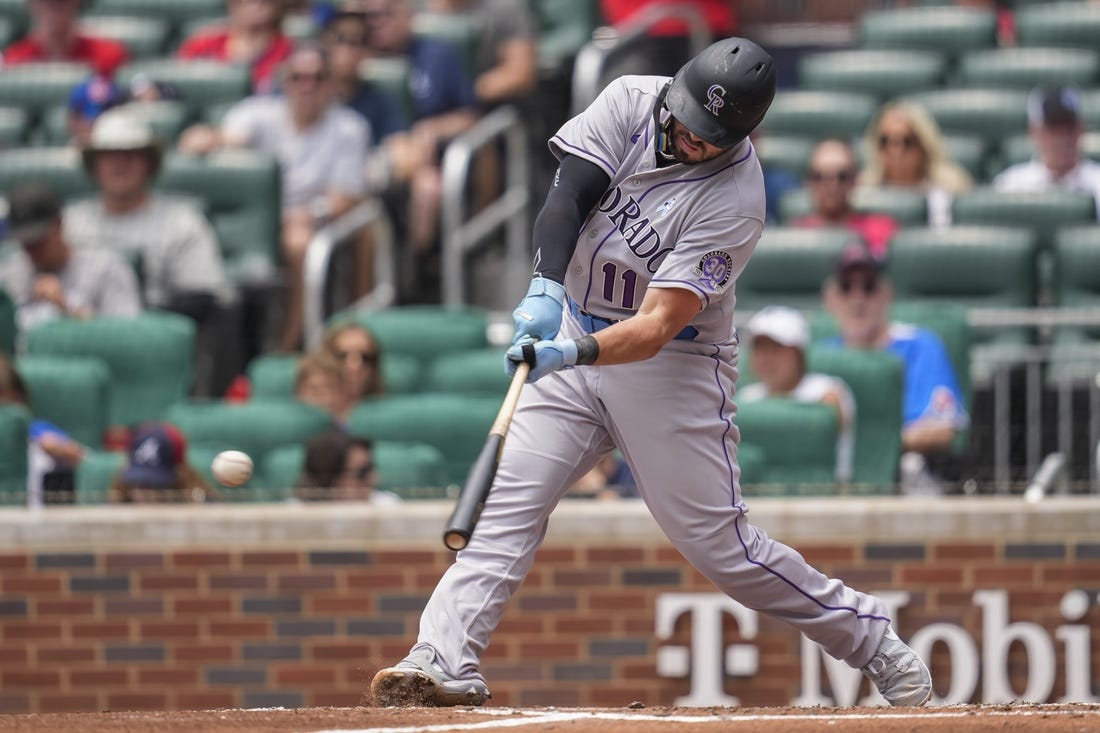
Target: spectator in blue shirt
<point>858,295</point>
<point>443,103</point>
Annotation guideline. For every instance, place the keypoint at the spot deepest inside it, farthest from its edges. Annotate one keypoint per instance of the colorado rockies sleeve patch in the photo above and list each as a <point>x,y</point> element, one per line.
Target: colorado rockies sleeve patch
<point>714,270</point>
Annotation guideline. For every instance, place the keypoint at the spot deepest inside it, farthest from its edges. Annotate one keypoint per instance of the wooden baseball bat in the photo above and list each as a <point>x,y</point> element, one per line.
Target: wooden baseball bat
<point>480,479</point>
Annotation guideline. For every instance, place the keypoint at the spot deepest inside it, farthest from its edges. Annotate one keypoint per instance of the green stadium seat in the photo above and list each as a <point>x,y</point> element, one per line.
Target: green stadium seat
<point>455,424</point>
<point>816,114</point>
<point>73,393</point>
<point>143,37</point>
<point>15,12</point>
<point>790,464</point>
<point>150,358</point>
<point>969,151</point>
<point>1026,68</point>
<point>1043,211</point>
<point>753,464</point>
<point>392,75</point>
<point>872,71</point>
<point>418,330</point>
<point>14,424</point>
<point>176,11</point>
<point>14,126</point>
<point>1059,24</point>
<point>966,267</point>
<point>59,167</point>
<point>908,207</point>
<point>272,375</point>
<point>789,267</point>
<point>9,31</point>
<point>95,474</point>
<point>876,379</point>
<point>37,87</point>
<point>788,153</point>
<point>1090,107</point>
<point>300,27</point>
<point>201,83</point>
<point>166,118</point>
<point>564,26</point>
<point>410,470</point>
<point>988,113</point>
<point>946,29</point>
<point>475,372</point>
<point>256,428</point>
<point>1077,273</point>
<point>9,330</point>
<point>242,189</point>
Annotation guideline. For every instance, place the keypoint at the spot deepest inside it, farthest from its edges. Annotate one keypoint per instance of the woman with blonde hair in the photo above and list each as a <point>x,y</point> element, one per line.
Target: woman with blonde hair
<point>905,148</point>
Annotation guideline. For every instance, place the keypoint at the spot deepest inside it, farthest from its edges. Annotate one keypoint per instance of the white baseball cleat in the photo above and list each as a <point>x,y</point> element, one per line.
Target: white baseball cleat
<point>898,673</point>
<point>419,681</point>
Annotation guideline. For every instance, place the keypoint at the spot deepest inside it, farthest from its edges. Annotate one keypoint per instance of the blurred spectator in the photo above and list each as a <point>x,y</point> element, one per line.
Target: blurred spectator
<point>157,469</point>
<point>780,337</point>
<point>506,68</point>
<point>608,480</point>
<point>52,454</point>
<point>859,295</point>
<point>667,45</point>
<point>443,106</point>
<point>252,36</point>
<point>179,254</point>
<point>777,181</point>
<point>49,278</point>
<point>53,36</point>
<point>831,178</point>
<point>94,96</point>
<point>1055,126</point>
<point>322,149</point>
<point>904,147</point>
<point>340,467</point>
<point>354,347</point>
<point>346,39</point>
<point>319,382</point>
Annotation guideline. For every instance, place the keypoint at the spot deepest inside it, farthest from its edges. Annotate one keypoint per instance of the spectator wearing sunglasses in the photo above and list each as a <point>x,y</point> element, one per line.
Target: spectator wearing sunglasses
<point>340,467</point>
<point>831,179</point>
<point>858,294</point>
<point>905,149</point>
<point>354,347</point>
<point>346,38</point>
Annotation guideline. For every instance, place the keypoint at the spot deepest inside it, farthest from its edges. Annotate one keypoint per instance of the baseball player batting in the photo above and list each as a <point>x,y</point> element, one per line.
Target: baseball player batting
<point>655,209</point>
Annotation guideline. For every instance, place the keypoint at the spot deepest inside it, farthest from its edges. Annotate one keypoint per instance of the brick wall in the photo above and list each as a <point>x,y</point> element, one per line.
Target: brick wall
<point>132,611</point>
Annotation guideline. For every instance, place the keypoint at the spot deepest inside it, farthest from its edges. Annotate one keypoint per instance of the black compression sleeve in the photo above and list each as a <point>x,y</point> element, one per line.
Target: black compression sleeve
<point>577,188</point>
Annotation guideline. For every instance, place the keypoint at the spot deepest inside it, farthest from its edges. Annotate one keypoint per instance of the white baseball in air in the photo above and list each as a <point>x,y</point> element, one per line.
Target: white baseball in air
<point>232,467</point>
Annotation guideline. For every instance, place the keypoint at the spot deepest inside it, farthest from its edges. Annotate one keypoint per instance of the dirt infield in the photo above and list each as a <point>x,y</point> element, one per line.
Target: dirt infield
<point>961,718</point>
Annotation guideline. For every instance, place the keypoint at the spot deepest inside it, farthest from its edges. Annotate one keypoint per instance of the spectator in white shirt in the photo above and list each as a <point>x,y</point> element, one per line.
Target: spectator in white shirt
<point>322,151</point>
<point>1055,126</point>
<point>780,337</point>
<point>181,261</point>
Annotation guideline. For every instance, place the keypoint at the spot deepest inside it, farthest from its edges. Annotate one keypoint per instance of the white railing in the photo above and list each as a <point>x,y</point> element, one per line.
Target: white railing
<point>589,65</point>
<point>462,234</point>
<point>338,234</point>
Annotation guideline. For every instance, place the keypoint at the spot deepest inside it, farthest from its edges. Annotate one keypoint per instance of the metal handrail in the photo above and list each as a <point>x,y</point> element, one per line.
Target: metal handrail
<point>588,66</point>
<point>339,233</point>
<point>461,234</point>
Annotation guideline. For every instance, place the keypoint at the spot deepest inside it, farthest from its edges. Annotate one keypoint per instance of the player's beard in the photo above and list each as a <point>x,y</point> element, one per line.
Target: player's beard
<point>697,154</point>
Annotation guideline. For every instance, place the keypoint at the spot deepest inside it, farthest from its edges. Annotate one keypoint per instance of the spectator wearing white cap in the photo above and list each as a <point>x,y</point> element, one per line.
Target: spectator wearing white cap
<point>780,337</point>
<point>1055,126</point>
<point>181,262</point>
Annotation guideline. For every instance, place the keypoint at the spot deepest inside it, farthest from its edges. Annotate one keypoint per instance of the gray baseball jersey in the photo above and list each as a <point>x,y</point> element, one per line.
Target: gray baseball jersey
<point>680,226</point>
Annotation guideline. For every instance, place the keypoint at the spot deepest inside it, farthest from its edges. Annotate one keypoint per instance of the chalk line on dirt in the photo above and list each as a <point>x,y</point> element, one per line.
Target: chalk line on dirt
<point>520,718</point>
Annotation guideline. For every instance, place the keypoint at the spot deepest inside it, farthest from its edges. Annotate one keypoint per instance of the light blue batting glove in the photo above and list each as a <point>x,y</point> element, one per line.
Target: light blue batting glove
<point>538,315</point>
<point>550,356</point>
